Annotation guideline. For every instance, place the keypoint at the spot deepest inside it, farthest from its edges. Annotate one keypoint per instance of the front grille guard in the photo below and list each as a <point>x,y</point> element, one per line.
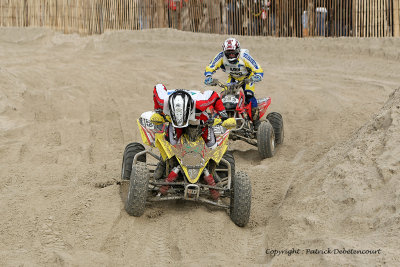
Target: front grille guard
<point>223,186</point>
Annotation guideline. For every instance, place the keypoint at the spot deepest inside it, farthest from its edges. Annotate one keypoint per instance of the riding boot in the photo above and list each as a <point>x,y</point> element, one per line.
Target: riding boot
<point>160,170</point>
<point>255,114</point>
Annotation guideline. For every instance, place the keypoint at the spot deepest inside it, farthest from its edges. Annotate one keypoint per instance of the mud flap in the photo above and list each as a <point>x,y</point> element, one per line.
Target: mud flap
<point>263,104</point>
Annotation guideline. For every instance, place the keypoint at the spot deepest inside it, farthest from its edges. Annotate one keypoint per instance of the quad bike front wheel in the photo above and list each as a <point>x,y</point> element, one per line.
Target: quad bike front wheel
<point>129,153</point>
<point>276,121</point>
<point>240,202</point>
<point>266,140</point>
<point>137,194</point>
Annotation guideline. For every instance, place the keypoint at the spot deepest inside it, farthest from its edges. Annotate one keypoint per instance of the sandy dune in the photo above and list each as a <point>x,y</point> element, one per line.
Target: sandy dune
<point>68,107</point>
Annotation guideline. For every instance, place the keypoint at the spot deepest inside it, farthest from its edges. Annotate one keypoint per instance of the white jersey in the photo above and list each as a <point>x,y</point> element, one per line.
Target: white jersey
<point>242,68</point>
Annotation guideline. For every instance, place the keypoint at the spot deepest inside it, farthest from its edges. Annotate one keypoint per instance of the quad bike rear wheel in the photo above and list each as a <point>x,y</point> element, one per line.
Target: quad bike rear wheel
<point>276,121</point>
<point>130,151</point>
<point>139,182</point>
<point>240,202</point>
<point>266,140</point>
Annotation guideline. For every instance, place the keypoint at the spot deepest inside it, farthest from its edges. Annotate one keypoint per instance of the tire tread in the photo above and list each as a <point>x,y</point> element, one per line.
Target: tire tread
<point>276,121</point>
<point>240,199</point>
<point>263,140</point>
<point>136,201</point>
<point>129,153</point>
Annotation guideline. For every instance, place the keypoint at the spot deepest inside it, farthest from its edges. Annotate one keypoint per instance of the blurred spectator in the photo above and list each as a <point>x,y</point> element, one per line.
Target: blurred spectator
<point>174,8</point>
<point>271,8</point>
<point>259,17</point>
<point>230,7</point>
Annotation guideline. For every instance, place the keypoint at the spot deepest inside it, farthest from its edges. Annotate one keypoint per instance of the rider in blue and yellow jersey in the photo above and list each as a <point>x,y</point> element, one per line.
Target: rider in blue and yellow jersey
<point>239,65</point>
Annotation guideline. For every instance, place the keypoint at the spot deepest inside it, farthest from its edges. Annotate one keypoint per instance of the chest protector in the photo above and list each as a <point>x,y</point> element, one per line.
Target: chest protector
<point>237,70</point>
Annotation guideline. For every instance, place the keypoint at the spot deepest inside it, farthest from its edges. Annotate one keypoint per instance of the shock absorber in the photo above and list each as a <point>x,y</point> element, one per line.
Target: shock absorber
<point>210,181</point>
<point>171,177</point>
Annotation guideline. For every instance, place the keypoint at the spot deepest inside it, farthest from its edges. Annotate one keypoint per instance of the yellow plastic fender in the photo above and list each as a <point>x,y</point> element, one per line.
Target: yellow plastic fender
<point>229,123</point>
<point>157,119</point>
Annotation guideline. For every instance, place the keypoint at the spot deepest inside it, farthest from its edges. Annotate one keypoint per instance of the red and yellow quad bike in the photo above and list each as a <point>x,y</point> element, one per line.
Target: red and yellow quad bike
<point>200,173</point>
<point>270,132</point>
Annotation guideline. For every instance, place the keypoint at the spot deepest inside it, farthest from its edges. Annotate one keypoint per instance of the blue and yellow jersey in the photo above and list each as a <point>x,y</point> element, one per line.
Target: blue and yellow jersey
<point>244,67</point>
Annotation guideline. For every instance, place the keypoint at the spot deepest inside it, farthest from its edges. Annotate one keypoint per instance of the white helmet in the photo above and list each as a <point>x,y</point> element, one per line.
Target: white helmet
<point>231,48</point>
<point>181,106</point>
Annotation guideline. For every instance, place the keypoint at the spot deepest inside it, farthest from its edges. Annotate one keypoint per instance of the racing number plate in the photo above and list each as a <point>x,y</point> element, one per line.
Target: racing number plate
<point>230,99</point>
<point>192,192</point>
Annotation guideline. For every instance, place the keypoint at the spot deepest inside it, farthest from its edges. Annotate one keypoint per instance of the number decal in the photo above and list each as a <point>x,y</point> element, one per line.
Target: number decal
<point>236,73</point>
<point>230,99</point>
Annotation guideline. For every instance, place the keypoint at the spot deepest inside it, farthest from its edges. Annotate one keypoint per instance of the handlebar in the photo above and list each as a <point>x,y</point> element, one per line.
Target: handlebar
<point>230,88</point>
<point>241,126</point>
<point>228,85</point>
<point>211,123</point>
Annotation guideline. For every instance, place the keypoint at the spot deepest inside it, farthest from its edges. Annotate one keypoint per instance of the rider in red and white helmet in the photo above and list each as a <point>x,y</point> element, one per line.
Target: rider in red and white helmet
<point>194,112</point>
<point>231,49</point>
<point>239,65</point>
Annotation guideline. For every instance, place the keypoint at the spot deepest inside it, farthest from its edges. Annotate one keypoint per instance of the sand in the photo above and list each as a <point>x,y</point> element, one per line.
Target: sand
<point>68,107</point>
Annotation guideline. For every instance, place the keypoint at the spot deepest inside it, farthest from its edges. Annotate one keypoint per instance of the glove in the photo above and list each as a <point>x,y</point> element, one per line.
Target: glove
<point>216,122</point>
<point>223,115</point>
<point>208,80</point>
<point>157,119</point>
<point>229,123</point>
<point>256,78</point>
